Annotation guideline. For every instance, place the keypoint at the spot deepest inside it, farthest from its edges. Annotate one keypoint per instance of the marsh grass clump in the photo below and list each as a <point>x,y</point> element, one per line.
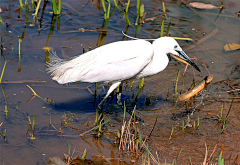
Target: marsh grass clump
<point>224,120</point>
<point>131,143</point>
<point>130,140</point>
<point>211,160</point>
<point>70,159</point>
<point>31,124</point>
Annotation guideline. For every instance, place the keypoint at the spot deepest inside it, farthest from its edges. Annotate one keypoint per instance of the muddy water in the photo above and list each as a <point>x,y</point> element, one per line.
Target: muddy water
<point>210,33</point>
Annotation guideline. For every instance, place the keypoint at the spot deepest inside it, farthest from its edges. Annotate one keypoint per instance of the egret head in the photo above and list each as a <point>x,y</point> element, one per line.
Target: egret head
<point>171,47</point>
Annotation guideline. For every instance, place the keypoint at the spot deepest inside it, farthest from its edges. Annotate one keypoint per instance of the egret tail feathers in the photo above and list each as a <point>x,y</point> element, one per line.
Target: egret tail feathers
<point>54,63</point>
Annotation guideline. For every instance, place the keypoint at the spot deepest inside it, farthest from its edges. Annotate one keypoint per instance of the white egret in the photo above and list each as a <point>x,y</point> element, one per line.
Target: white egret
<point>117,61</point>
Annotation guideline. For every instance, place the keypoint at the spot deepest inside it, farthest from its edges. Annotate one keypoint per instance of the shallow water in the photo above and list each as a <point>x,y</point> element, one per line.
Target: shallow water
<point>210,33</point>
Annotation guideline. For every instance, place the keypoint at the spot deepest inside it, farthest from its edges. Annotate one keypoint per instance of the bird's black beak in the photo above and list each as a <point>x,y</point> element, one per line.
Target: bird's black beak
<point>185,59</point>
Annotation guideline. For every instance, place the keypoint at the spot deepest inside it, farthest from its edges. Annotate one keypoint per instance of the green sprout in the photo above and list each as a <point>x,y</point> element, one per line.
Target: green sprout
<point>84,155</point>
<point>3,71</point>
<point>20,3</point>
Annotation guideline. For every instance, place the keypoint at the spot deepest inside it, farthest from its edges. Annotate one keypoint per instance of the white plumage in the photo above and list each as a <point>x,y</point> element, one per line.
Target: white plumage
<point>116,62</point>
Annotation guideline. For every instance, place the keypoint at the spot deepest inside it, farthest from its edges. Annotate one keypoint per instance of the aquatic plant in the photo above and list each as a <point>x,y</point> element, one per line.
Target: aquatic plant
<point>56,11</point>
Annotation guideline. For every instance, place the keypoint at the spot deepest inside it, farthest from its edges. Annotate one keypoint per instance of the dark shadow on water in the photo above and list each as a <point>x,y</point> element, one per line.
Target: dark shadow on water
<point>89,105</point>
<point>76,105</point>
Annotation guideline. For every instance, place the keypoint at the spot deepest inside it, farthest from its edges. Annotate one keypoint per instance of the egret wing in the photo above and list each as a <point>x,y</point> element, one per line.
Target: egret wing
<point>112,62</point>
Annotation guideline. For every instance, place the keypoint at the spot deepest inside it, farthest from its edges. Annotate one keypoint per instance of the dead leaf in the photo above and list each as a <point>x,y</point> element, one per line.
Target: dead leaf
<point>231,46</point>
<point>202,5</point>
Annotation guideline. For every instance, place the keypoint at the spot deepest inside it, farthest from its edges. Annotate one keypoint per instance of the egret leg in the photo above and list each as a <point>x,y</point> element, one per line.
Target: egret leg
<point>104,100</point>
<point>119,99</point>
<point>119,96</point>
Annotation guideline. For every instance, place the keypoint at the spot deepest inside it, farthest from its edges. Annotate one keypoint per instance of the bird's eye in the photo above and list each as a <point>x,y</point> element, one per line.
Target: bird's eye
<point>175,47</point>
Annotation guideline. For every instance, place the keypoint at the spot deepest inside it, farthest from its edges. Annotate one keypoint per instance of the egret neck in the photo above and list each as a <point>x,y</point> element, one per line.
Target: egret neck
<point>159,60</point>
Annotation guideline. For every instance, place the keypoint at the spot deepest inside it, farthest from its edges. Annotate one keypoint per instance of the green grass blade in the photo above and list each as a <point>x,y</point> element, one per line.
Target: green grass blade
<point>163,5</point>
<point>190,160</point>
<point>50,121</point>
<point>20,3</point>
<point>183,125</point>
<point>149,152</point>
<point>19,46</point>
<point>19,53</point>
<point>168,28</point>
<point>54,7</point>
<point>59,6</point>
<point>109,7</point>
<point>224,125</point>
<point>198,123</point>
<point>104,9</point>
<point>179,152</point>
<point>138,7</point>
<point>3,71</point>
<point>29,120</point>
<point>142,10</point>
<point>162,27</point>
<point>220,160</point>
<point>221,115</point>
<point>69,149</point>
<point>5,133</point>
<point>6,110</point>
<point>84,154</point>
<point>177,79</point>
<point>138,11</point>
<point>127,19</point>
<point>25,4</point>
<point>1,21</point>
<point>115,3</point>
<point>128,4</point>
<point>33,123</point>
<point>38,5</point>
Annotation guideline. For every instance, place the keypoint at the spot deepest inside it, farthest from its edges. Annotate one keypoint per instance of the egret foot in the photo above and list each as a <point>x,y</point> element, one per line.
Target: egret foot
<point>119,99</point>
<point>100,105</point>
